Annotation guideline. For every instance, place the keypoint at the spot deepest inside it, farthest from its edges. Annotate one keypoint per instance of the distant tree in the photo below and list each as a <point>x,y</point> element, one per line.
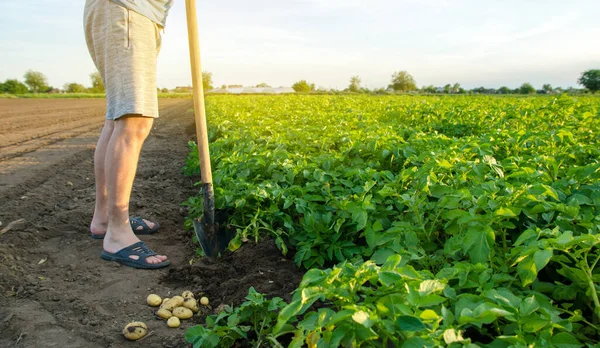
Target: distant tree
<point>591,80</point>
<point>223,86</point>
<point>36,81</point>
<point>97,84</point>
<point>455,88</point>
<point>547,88</point>
<point>447,88</point>
<point>429,89</point>
<point>74,88</point>
<point>354,84</point>
<point>504,90</point>
<point>558,90</point>
<point>526,88</point>
<point>263,85</point>
<point>479,90</point>
<point>403,81</point>
<point>207,81</point>
<point>164,90</point>
<point>13,87</point>
<point>303,87</point>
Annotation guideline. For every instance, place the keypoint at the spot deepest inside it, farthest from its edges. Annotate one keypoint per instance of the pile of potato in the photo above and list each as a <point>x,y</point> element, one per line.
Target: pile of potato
<point>172,309</point>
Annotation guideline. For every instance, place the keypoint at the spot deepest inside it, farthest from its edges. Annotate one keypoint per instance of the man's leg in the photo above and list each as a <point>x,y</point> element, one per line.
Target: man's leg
<point>121,159</point>
<point>100,220</point>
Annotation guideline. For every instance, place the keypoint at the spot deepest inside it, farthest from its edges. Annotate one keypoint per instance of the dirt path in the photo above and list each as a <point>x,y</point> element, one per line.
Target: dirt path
<point>56,290</point>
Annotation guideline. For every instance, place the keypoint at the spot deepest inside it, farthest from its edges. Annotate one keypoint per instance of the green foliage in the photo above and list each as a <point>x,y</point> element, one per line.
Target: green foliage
<point>590,79</point>
<point>252,322</point>
<point>504,90</point>
<point>36,81</point>
<point>13,87</point>
<point>354,84</point>
<point>526,88</point>
<point>74,88</point>
<point>207,81</point>
<point>403,81</point>
<point>303,87</point>
<point>479,194</point>
<point>97,84</point>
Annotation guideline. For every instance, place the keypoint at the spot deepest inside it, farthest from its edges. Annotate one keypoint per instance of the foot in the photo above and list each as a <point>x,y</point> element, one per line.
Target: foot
<point>113,242</point>
<point>98,228</point>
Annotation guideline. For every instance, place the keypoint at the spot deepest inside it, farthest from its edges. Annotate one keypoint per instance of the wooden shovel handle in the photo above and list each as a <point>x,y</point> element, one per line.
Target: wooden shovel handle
<point>199,112</point>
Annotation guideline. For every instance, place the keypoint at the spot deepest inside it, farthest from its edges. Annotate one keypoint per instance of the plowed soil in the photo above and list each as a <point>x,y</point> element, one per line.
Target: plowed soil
<point>55,290</point>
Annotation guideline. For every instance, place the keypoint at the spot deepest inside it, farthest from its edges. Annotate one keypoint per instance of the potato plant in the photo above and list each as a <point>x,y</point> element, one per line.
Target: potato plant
<point>492,201</point>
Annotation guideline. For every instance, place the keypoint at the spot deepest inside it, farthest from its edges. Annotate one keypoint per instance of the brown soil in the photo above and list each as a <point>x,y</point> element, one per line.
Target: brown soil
<point>55,290</point>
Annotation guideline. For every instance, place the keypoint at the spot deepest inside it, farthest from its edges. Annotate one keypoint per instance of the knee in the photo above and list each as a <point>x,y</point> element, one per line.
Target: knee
<point>134,128</point>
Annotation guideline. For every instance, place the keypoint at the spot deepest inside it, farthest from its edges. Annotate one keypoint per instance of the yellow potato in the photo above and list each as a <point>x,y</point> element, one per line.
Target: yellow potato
<point>173,322</point>
<point>153,300</point>
<point>178,300</point>
<point>190,303</point>
<point>165,300</point>
<point>182,313</point>
<point>170,305</point>
<point>204,301</point>
<point>187,294</point>
<point>135,330</point>
<point>163,313</point>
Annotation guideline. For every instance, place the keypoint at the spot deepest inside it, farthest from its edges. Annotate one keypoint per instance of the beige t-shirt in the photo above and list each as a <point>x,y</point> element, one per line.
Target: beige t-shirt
<point>155,10</point>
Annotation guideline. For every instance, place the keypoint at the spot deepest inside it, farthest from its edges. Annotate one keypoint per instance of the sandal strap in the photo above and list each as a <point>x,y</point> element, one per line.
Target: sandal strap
<point>140,249</point>
<point>137,222</point>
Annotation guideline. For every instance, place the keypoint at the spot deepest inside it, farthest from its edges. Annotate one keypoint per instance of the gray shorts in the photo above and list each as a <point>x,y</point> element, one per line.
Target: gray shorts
<point>124,46</point>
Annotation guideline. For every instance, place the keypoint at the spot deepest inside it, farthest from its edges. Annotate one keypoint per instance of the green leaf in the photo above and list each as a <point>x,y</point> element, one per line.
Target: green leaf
<point>388,278</point>
<point>415,342</point>
<point>478,243</point>
<point>527,270</point>
<point>410,324</point>
<point>381,255</point>
<point>429,286</point>
<point>541,258</point>
<point>528,306</point>
<point>286,314</point>
<point>565,340</point>
<point>429,314</point>
<point>507,212</point>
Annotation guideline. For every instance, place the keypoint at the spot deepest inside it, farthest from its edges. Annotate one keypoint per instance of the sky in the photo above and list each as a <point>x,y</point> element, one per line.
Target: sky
<point>472,42</point>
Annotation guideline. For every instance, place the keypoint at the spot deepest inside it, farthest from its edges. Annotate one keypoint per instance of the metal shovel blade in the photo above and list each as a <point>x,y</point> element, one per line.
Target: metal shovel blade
<point>213,239</point>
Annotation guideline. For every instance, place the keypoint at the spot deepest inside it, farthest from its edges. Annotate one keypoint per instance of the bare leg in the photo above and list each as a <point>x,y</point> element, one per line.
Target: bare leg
<point>100,220</point>
<point>121,159</point>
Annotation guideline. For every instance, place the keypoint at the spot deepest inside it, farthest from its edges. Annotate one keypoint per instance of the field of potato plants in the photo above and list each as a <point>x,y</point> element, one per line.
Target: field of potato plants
<point>421,221</point>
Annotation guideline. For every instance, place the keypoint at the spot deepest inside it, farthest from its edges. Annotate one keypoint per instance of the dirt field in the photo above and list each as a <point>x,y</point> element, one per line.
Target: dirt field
<point>57,292</point>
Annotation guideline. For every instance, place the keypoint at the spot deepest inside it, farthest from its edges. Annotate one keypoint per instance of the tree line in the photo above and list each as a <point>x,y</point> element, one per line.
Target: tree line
<point>36,82</point>
<point>402,81</point>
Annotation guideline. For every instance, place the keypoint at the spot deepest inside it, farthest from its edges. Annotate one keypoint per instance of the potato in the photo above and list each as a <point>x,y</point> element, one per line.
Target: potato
<point>173,322</point>
<point>187,294</point>
<point>190,303</point>
<point>165,300</point>
<point>182,313</point>
<point>164,313</point>
<point>178,300</point>
<point>135,330</point>
<point>170,305</point>
<point>153,300</point>
<point>204,301</point>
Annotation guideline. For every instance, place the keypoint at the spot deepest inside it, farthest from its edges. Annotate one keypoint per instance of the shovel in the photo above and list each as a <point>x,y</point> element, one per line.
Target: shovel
<point>211,238</point>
